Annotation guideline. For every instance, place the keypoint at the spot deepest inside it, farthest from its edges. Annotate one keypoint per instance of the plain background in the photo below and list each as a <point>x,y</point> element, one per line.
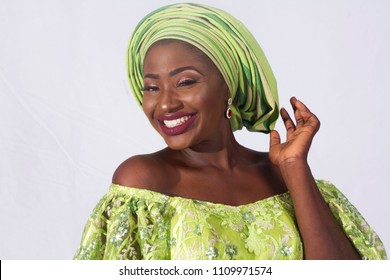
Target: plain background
<point>68,118</point>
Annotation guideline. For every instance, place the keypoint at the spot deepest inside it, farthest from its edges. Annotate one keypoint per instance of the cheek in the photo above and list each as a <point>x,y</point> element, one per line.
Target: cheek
<point>211,99</point>
<point>147,106</point>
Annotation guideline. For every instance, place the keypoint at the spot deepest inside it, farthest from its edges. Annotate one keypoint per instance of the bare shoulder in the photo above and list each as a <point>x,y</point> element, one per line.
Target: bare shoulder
<point>254,157</point>
<point>140,171</point>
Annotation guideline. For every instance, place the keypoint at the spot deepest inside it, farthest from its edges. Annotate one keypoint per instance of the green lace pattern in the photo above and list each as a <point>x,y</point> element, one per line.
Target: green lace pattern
<point>139,224</point>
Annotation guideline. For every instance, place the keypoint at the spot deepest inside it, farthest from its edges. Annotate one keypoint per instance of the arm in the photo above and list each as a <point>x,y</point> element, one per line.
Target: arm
<point>322,236</point>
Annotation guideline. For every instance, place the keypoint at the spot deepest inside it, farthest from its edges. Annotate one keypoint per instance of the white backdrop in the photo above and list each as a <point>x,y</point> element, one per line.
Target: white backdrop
<point>67,117</point>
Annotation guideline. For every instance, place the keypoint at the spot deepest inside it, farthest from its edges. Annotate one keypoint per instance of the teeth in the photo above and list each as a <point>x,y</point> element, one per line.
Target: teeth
<point>173,123</point>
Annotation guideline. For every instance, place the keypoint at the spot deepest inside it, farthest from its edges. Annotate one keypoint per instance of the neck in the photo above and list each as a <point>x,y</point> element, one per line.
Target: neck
<point>222,154</point>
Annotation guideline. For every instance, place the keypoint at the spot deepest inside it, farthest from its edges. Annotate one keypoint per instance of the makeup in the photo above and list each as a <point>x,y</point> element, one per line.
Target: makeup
<point>176,124</point>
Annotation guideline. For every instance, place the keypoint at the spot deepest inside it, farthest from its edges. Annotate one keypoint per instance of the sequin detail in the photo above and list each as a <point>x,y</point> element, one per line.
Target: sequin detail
<point>132,223</point>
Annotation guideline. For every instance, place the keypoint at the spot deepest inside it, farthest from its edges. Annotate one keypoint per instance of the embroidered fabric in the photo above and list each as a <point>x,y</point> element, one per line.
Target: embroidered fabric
<point>133,223</point>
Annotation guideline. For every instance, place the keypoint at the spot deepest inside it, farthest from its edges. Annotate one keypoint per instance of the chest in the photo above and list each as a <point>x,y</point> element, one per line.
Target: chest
<point>230,188</point>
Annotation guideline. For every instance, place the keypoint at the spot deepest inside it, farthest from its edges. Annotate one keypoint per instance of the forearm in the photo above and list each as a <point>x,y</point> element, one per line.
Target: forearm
<point>322,236</point>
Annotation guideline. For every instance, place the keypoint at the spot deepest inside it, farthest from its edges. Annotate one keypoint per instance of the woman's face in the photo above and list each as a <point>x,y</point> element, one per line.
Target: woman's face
<point>185,96</point>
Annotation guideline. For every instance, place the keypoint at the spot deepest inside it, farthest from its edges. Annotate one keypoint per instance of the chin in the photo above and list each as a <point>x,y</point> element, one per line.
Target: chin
<point>178,142</point>
<point>176,145</point>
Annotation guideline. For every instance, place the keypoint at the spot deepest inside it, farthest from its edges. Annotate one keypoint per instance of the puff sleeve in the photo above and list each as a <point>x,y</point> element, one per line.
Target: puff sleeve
<point>359,232</point>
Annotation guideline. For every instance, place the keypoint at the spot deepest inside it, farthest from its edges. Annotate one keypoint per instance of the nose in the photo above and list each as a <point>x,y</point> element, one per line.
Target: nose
<point>169,101</point>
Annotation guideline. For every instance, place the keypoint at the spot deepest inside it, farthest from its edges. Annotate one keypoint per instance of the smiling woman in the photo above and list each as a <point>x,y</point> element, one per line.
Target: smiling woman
<point>184,97</point>
<point>199,75</point>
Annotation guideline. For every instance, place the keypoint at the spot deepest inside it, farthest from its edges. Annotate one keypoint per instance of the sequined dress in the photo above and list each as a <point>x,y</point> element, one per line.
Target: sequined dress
<point>133,223</point>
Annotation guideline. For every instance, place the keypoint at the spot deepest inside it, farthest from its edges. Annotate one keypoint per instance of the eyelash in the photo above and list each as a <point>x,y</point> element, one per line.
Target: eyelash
<point>183,83</point>
<point>150,88</point>
<point>186,82</point>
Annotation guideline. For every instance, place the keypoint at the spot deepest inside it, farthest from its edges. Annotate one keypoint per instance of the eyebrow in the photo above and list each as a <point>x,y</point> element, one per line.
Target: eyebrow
<point>173,72</point>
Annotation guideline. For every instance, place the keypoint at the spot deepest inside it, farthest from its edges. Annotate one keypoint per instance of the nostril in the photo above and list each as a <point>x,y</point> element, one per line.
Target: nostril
<point>170,103</point>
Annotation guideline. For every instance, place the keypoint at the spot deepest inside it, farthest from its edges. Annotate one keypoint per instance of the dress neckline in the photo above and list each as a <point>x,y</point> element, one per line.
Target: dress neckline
<point>118,187</point>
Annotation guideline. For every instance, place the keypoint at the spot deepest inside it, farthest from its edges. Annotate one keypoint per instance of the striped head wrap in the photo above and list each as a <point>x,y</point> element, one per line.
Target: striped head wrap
<point>231,47</point>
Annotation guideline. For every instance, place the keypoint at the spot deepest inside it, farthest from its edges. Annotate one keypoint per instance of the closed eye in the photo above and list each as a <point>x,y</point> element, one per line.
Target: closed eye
<point>150,89</point>
<point>186,82</point>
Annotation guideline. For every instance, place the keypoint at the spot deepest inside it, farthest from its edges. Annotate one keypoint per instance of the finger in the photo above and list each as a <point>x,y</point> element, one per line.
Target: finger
<point>303,116</point>
<point>298,105</point>
<point>313,121</point>
<point>274,138</point>
<point>300,121</point>
<point>293,101</point>
<point>288,123</point>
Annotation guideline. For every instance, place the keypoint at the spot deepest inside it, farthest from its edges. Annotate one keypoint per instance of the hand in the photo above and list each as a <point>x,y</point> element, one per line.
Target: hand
<point>299,135</point>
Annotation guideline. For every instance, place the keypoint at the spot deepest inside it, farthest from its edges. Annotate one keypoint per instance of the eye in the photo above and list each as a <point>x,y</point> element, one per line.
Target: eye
<point>186,82</point>
<point>150,88</point>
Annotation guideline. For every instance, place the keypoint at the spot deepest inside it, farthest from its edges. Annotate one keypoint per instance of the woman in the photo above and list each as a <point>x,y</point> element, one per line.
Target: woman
<point>199,75</point>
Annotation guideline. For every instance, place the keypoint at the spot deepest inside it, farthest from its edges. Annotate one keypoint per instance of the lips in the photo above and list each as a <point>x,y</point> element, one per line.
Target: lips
<point>176,124</point>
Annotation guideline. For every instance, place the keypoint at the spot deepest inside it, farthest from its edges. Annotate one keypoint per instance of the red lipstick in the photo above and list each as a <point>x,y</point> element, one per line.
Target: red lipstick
<point>175,124</point>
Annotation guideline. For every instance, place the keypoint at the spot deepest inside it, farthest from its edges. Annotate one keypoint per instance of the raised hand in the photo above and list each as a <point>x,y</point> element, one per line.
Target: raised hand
<point>322,236</point>
<point>299,135</point>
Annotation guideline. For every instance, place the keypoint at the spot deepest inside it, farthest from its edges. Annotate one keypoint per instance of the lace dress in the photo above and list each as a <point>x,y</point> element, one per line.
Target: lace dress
<point>133,223</point>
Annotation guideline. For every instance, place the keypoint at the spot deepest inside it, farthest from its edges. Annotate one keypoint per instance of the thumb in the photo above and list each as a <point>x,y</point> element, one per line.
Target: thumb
<point>274,138</point>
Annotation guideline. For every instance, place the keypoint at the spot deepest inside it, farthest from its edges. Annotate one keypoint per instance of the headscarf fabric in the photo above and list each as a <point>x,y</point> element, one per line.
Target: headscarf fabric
<point>229,45</point>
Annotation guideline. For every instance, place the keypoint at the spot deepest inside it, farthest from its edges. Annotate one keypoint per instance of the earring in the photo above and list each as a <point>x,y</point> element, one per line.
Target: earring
<point>229,110</point>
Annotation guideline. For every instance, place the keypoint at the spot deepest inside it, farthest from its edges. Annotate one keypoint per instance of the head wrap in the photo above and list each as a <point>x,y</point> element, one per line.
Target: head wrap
<point>231,47</point>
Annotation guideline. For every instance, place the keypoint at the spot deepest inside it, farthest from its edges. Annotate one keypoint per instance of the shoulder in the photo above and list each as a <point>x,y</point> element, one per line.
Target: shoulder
<point>252,157</point>
<point>140,171</point>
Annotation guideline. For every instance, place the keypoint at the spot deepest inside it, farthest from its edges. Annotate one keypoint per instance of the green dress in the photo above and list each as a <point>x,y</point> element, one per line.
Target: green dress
<point>133,223</point>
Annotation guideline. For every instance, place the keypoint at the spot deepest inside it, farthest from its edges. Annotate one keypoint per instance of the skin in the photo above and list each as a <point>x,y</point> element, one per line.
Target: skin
<point>196,161</point>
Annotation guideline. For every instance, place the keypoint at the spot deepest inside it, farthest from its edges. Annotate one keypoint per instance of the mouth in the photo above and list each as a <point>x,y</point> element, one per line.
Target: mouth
<point>176,124</point>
